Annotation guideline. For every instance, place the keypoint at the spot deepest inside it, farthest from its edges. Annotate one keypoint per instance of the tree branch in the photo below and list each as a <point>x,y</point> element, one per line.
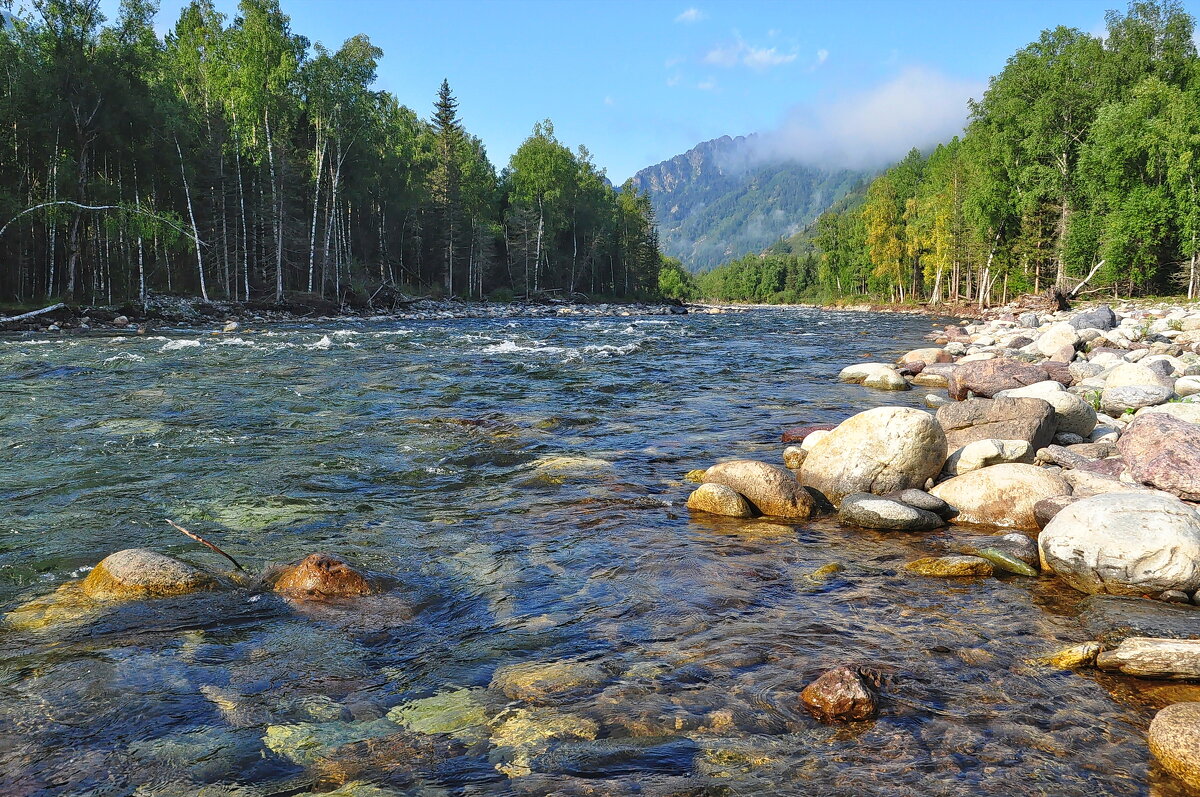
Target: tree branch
<point>1091,274</point>
<point>203,541</point>
<point>32,313</point>
<point>81,206</point>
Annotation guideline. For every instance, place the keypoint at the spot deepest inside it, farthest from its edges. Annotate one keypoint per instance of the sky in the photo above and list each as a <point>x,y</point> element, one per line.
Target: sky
<point>855,82</point>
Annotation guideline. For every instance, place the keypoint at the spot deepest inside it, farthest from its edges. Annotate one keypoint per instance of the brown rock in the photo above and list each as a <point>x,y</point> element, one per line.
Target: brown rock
<point>1164,452</point>
<point>397,758</point>
<point>1045,510</point>
<point>1175,741</point>
<point>1001,495</point>
<point>321,575</point>
<point>1029,419</point>
<point>771,489</point>
<point>137,573</point>
<point>840,694</point>
<point>796,434</point>
<point>986,378</point>
<point>717,499</point>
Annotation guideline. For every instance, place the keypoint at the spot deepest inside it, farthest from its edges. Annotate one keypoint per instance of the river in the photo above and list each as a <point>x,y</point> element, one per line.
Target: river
<point>521,480</point>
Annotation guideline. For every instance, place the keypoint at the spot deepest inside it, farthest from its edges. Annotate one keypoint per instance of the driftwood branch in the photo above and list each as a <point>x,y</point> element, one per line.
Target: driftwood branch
<point>81,206</point>
<point>203,541</point>
<point>1091,274</point>
<point>32,313</point>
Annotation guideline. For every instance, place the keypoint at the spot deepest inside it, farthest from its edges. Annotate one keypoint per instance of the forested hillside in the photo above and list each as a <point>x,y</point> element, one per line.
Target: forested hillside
<point>1079,167</point>
<point>236,159</point>
<point>717,201</point>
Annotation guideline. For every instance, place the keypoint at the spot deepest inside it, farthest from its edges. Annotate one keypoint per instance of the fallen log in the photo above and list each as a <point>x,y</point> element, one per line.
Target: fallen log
<point>32,313</point>
<point>1177,659</point>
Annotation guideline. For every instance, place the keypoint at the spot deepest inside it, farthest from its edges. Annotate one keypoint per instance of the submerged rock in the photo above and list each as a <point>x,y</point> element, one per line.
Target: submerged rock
<point>695,476</point>
<point>1001,495</point>
<point>534,680</point>
<point>458,713</point>
<point>320,575</point>
<point>873,512</point>
<point>393,758</point>
<point>137,573</point>
<point>717,499</point>
<point>1174,739</point>
<point>305,742</point>
<point>840,695</point>
<point>950,566</point>
<point>1124,544</point>
<point>771,489</point>
<point>878,451</point>
<point>521,734</point>
<point>1111,618</point>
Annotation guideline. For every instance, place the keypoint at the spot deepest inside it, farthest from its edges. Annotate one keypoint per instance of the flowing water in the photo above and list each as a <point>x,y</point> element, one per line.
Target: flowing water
<point>522,483</point>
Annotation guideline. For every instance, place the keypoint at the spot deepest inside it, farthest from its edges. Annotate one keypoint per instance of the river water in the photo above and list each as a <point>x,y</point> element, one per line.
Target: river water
<point>522,483</point>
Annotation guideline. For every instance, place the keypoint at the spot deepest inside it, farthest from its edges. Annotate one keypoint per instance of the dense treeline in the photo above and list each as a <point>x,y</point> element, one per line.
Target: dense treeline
<point>237,161</point>
<point>1080,162</point>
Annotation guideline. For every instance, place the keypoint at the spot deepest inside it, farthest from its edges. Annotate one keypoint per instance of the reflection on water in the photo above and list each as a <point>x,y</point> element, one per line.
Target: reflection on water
<point>562,626</point>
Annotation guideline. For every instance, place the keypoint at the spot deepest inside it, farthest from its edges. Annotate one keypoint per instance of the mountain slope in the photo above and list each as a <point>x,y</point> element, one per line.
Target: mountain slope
<point>715,203</point>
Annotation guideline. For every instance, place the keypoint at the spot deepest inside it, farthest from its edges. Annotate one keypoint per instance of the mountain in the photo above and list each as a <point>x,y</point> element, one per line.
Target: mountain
<point>717,202</point>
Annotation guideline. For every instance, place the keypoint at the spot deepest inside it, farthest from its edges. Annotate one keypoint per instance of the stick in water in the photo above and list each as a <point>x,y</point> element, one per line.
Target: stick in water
<point>203,541</point>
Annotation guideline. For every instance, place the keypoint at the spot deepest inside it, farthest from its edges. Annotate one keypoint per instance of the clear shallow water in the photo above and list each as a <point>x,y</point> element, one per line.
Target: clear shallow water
<point>522,480</point>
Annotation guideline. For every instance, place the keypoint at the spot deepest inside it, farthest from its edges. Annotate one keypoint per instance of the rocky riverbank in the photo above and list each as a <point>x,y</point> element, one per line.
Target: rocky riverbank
<point>189,313</point>
<point>1066,444</point>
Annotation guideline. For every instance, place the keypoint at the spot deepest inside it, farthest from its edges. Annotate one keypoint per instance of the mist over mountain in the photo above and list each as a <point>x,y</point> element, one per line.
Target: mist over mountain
<point>722,199</point>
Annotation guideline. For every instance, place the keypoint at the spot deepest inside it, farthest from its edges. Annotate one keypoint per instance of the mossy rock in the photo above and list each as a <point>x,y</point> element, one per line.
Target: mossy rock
<point>305,742</point>
<point>459,713</point>
<point>138,573</point>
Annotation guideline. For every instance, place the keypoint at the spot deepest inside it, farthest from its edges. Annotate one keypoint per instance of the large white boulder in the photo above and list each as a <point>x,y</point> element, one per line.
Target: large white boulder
<point>1124,544</point>
<point>877,451</point>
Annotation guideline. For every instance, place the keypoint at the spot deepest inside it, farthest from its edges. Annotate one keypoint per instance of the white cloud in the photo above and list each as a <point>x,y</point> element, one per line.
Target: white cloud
<point>822,56</point>
<point>724,56</point>
<point>692,15</point>
<point>746,54</point>
<point>917,108</point>
<point>761,58</point>
<point>674,80</point>
<point>676,61</point>
<point>707,85</point>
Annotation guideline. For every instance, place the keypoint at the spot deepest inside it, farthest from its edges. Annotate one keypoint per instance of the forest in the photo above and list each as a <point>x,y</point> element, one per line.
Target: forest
<point>1079,168</point>
<point>237,160</point>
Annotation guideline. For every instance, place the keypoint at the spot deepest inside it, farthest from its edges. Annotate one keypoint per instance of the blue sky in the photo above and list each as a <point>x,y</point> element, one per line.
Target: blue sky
<point>638,82</point>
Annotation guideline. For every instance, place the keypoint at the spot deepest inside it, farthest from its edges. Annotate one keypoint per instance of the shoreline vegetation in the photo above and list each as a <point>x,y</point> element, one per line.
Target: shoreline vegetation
<point>1078,168</point>
<point>237,160</point>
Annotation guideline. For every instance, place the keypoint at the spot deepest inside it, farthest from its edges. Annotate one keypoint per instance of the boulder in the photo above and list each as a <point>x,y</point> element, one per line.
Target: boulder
<point>1164,452</point>
<point>1102,318</point>
<point>137,573</point>
<point>986,378</point>
<point>1001,495</point>
<point>1124,544</point>
<point>840,694</point>
<point>793,457</point>
<point>877,451</point>
<point>983,453</point>
<point>860,372</point>
<point>1013,553</point>
<point>1073,415</point>
<point>1174,739</point>
<point>318,576</point>
<point>1045,510</point>
<point>927,356</point>
<point>772,490</point>
<point>922,500</point>
<point>1184,411</point>
<point>950,566</point>
<point>717,499</point>
<point>1073,657</point>
<point>889,379</point>
<point>1029,419</point>
<point>1119,400</point>
<point>872,512</point>
<point>1187,385</point>
<point>1135,375</point>
<point>1055,338</point>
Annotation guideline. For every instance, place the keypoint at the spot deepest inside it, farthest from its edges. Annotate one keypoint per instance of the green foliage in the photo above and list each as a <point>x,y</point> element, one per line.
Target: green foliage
<point>235,157</point>
<point>1082,159</point>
